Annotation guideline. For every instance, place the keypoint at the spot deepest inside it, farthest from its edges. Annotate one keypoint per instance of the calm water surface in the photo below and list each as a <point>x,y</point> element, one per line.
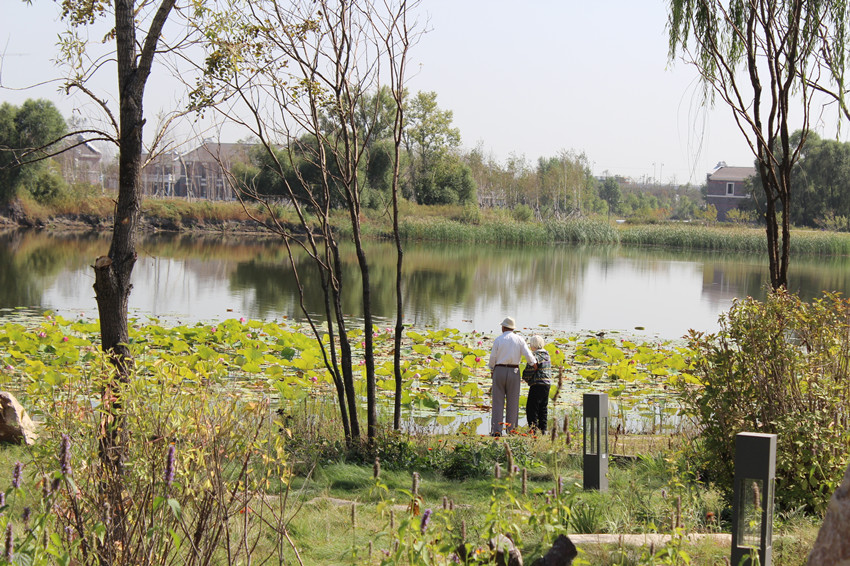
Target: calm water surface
<point>192,278</point>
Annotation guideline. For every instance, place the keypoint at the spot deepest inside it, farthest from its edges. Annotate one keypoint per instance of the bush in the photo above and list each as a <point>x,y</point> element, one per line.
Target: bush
<point>738,216</point>
<point>47,184</point>
<point>471,214</point>
<point>783,367</point>
<point>203,468</point>
<point>522,213</point>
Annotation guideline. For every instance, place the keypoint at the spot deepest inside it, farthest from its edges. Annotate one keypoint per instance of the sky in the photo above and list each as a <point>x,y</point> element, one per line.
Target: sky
<point>528,79</point>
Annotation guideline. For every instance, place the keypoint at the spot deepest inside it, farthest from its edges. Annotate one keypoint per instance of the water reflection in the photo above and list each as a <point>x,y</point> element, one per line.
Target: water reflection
<point>191,277</point>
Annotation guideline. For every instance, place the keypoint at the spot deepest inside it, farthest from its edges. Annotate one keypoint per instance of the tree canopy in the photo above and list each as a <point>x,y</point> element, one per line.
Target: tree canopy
<point>25,134</point>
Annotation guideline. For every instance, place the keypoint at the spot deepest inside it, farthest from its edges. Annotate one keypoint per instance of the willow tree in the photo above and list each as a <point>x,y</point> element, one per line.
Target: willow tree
<point>766,61</point>
<point>304,77</point>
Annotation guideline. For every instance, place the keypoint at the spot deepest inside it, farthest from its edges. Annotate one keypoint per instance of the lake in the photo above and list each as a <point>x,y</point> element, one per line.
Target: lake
<point>190,277</point>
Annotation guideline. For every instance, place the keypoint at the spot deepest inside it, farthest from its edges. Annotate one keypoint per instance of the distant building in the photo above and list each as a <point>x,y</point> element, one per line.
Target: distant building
<point>81,162</point>
<point>199,173</point>
<point>724,188</point>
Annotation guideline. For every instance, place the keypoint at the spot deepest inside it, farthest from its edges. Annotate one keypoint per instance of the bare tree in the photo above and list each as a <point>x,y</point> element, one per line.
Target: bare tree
<point>765,60</point>
<point>298,76</point>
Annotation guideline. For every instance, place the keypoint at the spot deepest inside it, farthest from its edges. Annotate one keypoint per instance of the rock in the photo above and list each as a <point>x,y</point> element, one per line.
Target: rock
<point>505,551</point>
<point>16,425</point>
<point>832,547</point>
<point>562,553</point>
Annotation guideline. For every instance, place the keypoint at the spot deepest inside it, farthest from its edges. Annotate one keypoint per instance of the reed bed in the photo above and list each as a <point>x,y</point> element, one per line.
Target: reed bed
<point>504,232</point>
<point>732,239</point>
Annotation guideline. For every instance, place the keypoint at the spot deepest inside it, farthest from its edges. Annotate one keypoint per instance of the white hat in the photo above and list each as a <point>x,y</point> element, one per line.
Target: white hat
<point>508,323</point>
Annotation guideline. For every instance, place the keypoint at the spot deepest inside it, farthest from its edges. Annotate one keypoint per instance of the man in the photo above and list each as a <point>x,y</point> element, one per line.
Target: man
<point>508,350</point>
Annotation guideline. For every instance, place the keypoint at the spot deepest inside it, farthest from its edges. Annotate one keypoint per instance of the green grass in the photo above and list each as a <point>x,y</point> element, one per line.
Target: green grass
<point>508,232</point>
<point>459,224</point>
<point>731,238</point>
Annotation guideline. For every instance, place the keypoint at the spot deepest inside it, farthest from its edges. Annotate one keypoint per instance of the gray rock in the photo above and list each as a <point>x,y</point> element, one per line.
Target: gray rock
<point>15,425</point>
<point>505,551</point>
<point>832,547</point>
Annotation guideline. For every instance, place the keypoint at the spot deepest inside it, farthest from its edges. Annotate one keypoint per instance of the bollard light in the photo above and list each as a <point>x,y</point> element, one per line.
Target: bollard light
<point>752,503</point>
<point>595,445</point>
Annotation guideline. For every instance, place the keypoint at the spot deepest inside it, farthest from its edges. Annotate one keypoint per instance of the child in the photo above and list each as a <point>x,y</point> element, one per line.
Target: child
<point>537,405</point>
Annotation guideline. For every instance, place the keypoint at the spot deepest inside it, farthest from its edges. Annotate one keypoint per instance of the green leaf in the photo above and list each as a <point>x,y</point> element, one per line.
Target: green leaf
<point>175,508</point>
<point>175,539</point>
<point>447,390</point>
<point>421,349</point>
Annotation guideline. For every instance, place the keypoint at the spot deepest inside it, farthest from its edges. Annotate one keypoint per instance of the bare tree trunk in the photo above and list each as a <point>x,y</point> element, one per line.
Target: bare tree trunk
<point>345,350</point>
<point>399,63</point>
<point>112,272</point>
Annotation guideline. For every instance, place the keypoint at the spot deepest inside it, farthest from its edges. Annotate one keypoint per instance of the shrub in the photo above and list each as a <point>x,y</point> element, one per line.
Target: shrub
<point>781,367</point>
<point>738,216</point>
<point>471,214</point>
<point>47,184</point>
<point>522,213</point>
<point>203,471</point>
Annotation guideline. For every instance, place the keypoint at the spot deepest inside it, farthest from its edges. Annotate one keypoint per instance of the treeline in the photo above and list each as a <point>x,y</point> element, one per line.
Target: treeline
<point>434,170</point>
<point>820,196</point>
<point>26,135</point>
<point>820,191</point>
<point>563,185</point>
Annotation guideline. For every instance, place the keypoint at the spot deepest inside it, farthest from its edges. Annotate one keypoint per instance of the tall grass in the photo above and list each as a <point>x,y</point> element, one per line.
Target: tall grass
<point>731,239</point>
<point>507,232</point>
<point>456,224</point>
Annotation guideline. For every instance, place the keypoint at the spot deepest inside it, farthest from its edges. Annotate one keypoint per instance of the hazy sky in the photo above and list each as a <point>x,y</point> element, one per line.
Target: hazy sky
<point>527,78</point>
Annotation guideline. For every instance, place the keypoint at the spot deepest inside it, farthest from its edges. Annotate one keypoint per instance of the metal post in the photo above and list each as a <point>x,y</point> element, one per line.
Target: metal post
<point>595,443</point>
<point>752,506</point>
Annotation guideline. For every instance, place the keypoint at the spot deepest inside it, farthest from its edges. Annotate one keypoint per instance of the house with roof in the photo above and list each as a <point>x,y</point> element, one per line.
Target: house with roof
<point>80,162</point>
<point>198,173</point>
<point>726,189</point>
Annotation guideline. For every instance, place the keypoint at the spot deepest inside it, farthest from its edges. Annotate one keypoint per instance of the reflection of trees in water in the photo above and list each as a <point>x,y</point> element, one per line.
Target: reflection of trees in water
<point>437,279</point>
<point>729,275</point>
<point>31,261</point>
<point>442,278</point>
<point>736,276</point>
<point>212,246</point>
<point>443,282</point>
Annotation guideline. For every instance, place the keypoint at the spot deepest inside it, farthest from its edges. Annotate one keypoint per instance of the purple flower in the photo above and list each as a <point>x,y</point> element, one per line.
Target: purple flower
<point>2,498</point>
<point>426,518</point>
<point>16,475</point>
<point>10,543</point>
<point>27,514</point>
<point>169,466</point>
<point>65,455</point>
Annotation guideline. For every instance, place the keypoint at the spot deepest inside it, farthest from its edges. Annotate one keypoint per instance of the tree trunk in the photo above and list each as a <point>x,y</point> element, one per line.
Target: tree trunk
<point>344,347</point>
<point>113,271</point>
